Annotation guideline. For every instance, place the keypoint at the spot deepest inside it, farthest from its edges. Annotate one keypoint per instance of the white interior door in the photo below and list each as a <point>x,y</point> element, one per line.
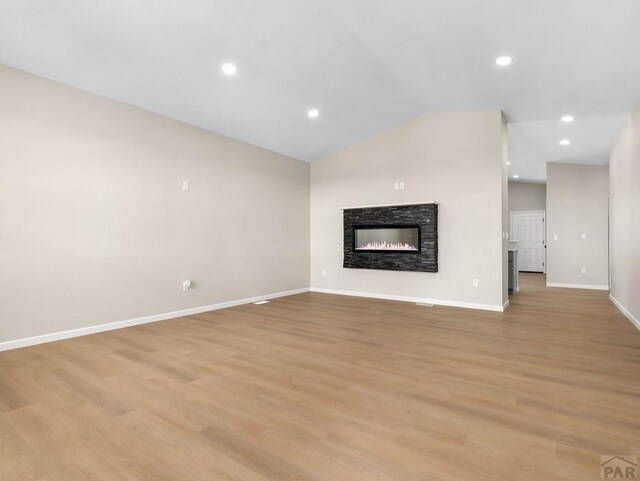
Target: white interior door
<point>528,229</point>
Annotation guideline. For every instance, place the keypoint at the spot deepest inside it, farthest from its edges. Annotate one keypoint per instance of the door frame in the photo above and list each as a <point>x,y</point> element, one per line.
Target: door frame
<point>544,230</point>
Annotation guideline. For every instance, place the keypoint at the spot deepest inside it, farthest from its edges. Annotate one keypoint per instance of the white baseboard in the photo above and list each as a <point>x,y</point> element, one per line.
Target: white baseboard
<point>420,300</point>
<point>624,310</point>
<point>578,286</point>
<point>505,305</point>
<point>84,331</point>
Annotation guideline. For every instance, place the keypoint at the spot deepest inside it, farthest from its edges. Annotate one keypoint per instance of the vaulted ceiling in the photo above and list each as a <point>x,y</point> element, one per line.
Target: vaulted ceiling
<point>367,65</point>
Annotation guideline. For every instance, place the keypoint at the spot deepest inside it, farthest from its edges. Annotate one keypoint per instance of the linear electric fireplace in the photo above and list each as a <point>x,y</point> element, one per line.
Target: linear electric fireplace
<point>392,237</point>
<point>381,238</point>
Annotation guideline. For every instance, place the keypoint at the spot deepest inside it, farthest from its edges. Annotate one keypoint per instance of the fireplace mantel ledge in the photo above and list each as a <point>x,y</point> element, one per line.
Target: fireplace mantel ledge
<point>386,205</point>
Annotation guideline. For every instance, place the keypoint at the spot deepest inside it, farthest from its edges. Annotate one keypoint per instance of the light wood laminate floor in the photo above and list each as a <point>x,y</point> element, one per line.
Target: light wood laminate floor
<point>329,388</point>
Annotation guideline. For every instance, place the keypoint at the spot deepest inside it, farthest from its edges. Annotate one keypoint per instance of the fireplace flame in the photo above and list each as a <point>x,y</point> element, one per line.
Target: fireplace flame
<point>387,246</point>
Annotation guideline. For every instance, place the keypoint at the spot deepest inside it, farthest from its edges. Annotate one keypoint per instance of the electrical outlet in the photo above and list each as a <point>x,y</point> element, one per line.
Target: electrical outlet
<point>397,186</point>
<point>401,185</point>
<point>476,283</point>
<point>555,236</point>
<point>583,237</point>
<point>186,285</point>
<point>185,185</point>
<point>583,270</point>
<point>324,273</point>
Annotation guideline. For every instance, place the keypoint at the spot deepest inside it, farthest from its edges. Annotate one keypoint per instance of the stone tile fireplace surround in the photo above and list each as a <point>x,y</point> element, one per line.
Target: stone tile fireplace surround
<point>395,237</point>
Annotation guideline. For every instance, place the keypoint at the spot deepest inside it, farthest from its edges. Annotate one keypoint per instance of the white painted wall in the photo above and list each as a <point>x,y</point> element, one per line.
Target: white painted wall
<point>577,204</point>
<point>97,229</point>
<point>456,159</point>
<point>625,218</point>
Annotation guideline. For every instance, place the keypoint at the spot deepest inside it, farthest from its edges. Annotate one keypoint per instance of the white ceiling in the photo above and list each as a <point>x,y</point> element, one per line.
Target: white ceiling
<point>368,65</point>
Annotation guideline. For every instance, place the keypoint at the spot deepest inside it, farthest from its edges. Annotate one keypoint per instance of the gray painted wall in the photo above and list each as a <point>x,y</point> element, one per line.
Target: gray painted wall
<point>577,203</point>
<point>504,194</point>
<point>625,217</point>
<point>527,196</point>
<point>456,159</point>
<point>96,227</point>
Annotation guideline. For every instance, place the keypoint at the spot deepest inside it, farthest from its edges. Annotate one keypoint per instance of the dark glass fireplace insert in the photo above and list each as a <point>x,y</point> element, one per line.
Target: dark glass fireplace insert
<point>386,238</point>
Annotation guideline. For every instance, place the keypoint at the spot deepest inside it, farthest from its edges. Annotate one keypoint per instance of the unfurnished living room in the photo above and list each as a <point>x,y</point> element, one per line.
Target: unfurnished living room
<point>355,240</point>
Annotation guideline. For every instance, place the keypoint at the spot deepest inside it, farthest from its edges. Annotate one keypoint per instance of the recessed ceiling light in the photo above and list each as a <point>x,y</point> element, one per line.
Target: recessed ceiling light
<point>567,118</point>
<point>516,176</point>
<point>229,69</point>
<point>565,142</point>
<point>508,163</point>
<point>504,61</point>
<point>313,113</point>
